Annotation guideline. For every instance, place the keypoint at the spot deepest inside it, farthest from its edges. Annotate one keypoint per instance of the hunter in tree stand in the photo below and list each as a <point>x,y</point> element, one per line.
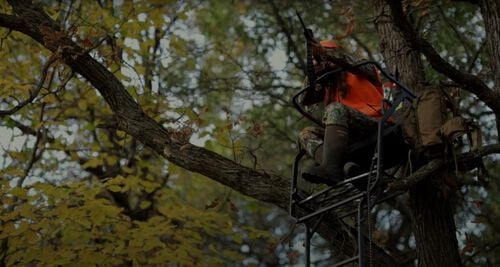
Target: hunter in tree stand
<point>352,101</point>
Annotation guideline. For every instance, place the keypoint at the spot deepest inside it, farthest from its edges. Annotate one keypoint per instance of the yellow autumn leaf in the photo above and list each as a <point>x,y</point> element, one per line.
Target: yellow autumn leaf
<point>82,104</point>
<point>13,172</point>
<point>145,204</point>
<point>50,99</point>
<point>111,160</point>
<point>160,2</point>
<point>67,96</point>
<point>114,188</point>
<point>93,163</point>
<point>26,211</point>
<point>18,192</point>
<point>19,155</point>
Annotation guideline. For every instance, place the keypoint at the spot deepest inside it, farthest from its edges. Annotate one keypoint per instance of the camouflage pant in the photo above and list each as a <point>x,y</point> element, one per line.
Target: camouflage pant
<point>359,125</point>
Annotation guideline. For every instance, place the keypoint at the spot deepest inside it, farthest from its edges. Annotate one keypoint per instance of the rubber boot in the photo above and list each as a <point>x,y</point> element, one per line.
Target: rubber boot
<point>331,170</point>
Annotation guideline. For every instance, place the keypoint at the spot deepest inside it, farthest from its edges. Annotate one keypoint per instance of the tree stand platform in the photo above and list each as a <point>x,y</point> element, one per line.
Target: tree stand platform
<point>344,199</point>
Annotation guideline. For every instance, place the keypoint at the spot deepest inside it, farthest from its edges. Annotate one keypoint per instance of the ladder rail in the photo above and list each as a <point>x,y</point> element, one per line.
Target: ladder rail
<point>330,207</point>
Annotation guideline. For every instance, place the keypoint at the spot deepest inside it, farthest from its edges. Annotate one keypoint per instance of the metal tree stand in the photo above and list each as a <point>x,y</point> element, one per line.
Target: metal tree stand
<point>345,199</point>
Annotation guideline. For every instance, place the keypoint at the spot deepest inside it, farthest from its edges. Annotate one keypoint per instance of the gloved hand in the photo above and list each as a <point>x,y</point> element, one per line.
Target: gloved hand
<point>318,50</point>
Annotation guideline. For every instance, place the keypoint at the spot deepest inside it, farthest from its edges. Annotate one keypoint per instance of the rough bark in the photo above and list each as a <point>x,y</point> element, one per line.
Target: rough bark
<point>414,41</point>
<point>433,223</point>
<point>434,227</point>
<point>173,145</point>
<point>490,10</point>
<point>398,54</point>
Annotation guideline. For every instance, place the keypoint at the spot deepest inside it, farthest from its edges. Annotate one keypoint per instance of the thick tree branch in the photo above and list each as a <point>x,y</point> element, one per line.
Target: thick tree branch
<point>417,176</point>
<point>469,82</point>
<point>10,21</point>
<point>169,143</point>
<point>478,154</point>
<point>133,120</point>
<point>474,2</point>
<point>463,160</point>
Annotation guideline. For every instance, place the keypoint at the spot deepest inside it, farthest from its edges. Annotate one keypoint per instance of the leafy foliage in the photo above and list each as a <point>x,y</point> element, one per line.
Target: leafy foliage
<point>75,190</point>
<point>78,222</point>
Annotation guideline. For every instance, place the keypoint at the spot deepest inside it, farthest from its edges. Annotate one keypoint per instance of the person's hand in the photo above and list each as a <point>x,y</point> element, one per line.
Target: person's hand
<point>317,49</point>
<point>330,65</point>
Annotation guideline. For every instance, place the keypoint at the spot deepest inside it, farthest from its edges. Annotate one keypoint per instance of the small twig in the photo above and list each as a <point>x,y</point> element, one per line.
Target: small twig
<point>288,33</point>
<point>30,131</point>
<point>66,16</point>
<point>64,82</point>
<point>34,93</point>
<point>484,249</point>
<point>473,60</point>
<point>254,158</point>
<point>455,31</point>
<point>34,155</point>
<point>363,45</point>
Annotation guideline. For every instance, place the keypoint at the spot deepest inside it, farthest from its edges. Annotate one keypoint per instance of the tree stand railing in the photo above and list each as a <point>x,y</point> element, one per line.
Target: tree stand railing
<point>344,198</point>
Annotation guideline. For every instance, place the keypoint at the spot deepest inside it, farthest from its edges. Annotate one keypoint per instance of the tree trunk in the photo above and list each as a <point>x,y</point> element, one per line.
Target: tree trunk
<point>433,223</point>
<point>490,10</point>
<point>434,227</point>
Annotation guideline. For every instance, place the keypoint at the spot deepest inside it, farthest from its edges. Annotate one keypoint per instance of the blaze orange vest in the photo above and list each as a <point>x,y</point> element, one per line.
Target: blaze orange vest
<point>361,95</point>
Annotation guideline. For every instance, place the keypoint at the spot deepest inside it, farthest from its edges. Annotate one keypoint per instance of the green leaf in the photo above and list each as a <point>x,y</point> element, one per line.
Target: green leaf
<point>145,204</point>
<point>92,163</point>
<point>19,192</point>
<point>9,122</point>
<point>114,188</point>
